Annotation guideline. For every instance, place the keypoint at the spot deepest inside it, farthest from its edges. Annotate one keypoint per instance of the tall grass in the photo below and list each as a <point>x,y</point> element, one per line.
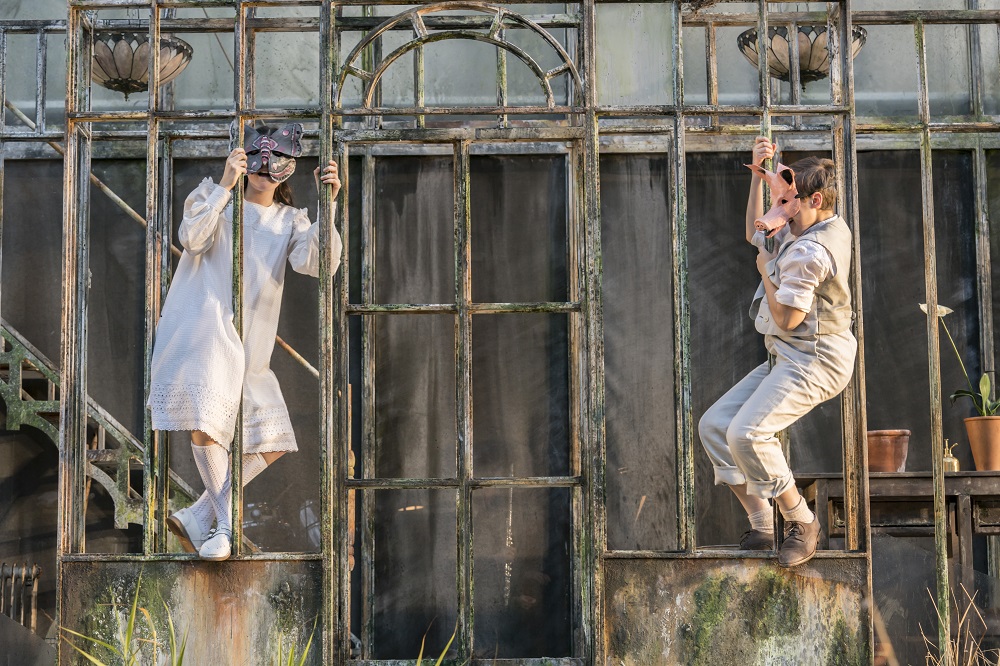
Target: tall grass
<point>129,645</point>
<point>966,648</point>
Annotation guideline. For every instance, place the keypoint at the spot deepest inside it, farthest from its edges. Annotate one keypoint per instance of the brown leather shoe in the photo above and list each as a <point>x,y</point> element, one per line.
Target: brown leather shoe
<point>800,542</point>
<point>757,540</point>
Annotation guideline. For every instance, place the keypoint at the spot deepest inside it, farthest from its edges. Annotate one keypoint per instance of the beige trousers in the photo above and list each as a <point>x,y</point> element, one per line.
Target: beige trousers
<point>738,431</point>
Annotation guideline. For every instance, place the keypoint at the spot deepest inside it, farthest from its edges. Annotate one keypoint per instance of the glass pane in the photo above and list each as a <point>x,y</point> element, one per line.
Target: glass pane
<point>695,65</point>
<point>893,282</point>
<point>724,345</point>
<point>415,396</point>
<point>116,309</point>
<point>414,228</point>
<point>519,229</point>
<point>520,395</point>
<point>207,83</point>
<point>989,39</point>
<point>908,4</point>
<point>738,80</point>
<point>20,86</point>
<point>474,83</point>
<point>397,87</point>
<point>523,577</point>
<point>415,571</point>
<point>634,54</point>
<point>638,352</point>
<point>948,69</point>
<point>523,85</point>
<point>32,252</point>
<point>286,70</point>
<point>55,82</point>
<point>885,72</point>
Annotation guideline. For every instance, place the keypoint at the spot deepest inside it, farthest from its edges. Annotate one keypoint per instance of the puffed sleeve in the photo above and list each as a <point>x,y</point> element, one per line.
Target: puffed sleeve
<point>304,249</point>
<point>202,209</point>
<point>803,267</point>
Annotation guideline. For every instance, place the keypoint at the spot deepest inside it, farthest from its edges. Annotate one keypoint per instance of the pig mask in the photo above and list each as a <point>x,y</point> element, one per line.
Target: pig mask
<point>784,205</point>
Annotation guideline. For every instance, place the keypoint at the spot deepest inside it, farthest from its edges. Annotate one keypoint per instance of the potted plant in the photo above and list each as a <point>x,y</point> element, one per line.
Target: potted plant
<point>984,429</point>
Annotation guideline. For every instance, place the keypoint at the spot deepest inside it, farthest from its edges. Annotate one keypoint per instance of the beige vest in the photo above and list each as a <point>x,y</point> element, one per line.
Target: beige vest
<point>831,309</point>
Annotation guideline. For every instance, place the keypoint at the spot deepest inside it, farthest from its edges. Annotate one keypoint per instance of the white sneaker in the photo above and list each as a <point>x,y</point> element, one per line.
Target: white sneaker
<point>218,546</point>
<point>187,529</point>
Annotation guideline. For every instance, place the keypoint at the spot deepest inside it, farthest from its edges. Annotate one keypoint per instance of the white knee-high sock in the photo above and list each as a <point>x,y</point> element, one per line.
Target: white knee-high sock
<point>202,509</point>
<point>213,465</point>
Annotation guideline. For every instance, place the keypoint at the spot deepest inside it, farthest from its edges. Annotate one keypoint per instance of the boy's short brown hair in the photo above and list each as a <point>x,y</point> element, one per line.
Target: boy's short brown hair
<point>814,174</point>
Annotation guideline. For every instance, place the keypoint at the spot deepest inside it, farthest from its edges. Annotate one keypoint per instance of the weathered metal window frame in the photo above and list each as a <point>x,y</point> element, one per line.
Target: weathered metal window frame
<point>925,134</point>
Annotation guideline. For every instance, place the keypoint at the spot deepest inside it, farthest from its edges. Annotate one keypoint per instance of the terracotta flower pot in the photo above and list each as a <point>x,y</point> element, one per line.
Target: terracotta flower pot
<point>984,440</point>
<point>887,450</point>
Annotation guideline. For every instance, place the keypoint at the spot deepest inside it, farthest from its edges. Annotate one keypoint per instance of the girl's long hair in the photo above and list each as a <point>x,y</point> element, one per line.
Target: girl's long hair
<point>284,192</point>
<point>282,195</point>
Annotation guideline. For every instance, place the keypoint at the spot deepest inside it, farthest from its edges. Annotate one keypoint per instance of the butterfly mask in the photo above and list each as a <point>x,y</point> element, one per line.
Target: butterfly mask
<point>272,151</point>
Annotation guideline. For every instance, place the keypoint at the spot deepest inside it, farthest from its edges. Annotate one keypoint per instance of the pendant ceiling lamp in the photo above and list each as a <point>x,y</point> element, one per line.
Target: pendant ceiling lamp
<point>121,60</point>
<point>814,50</point>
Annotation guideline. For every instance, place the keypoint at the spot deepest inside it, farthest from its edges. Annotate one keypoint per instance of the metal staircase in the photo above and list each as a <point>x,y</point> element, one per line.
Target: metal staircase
<point>29,387</point>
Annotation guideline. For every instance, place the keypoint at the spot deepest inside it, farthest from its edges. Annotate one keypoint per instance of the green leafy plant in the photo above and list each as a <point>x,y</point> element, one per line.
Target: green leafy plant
<point>981,398</point>
<point>129,645</point>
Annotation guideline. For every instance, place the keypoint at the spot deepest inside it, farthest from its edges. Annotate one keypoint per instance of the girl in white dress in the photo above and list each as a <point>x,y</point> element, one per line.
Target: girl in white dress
<point>201,369</point>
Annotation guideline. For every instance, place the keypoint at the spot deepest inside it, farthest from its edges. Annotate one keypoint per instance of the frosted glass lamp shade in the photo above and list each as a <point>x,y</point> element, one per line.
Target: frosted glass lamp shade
<point>814,52</point>
<point>121,60</point>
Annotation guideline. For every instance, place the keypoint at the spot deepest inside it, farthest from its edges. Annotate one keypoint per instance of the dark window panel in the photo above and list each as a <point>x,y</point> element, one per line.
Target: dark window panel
<point>520,389</point>
<point>639,352</point>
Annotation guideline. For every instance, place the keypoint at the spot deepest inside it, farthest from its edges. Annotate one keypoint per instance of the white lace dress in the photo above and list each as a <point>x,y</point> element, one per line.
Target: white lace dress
<point>200,367</point>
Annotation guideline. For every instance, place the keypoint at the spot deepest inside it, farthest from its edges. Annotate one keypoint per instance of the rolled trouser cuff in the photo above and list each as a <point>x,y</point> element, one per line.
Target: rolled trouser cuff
<point>769,488</point>
<point>729,476</point>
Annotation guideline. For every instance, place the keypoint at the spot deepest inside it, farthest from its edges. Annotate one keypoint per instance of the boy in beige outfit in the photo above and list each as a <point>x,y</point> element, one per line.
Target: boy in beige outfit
<point>803,309</point>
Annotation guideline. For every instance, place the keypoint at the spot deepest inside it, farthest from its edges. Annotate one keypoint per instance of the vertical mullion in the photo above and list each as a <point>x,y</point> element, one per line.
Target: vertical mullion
<point>502,96</point>
<point>463,370</point>
<point>334,405</point>
<point>593,452</point>
<point>975,63</point>
<point>577,404</point>
<point>984,277</point>
<point>764,80</point>
<point>3,82</point>
<point>2,173</point>
<point>151,440</point>
<point>250,80</point>
<point>240,57</point>
<point>853,400</point>
<point>795,70</point>
<point>73,352</point>
<point>418,83</point>
<point>3,128</point>
<point>163,244</point>
<point>686,536</point>
<point>368,438</point>
<point>933,360</point>
<point>712,56</point>
<point>40,67</point>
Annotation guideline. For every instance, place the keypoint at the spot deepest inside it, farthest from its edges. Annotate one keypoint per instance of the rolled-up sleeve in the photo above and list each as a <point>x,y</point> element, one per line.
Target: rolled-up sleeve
<point>802,268</point>
<point>304,249</point>
<point>202,210</point>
